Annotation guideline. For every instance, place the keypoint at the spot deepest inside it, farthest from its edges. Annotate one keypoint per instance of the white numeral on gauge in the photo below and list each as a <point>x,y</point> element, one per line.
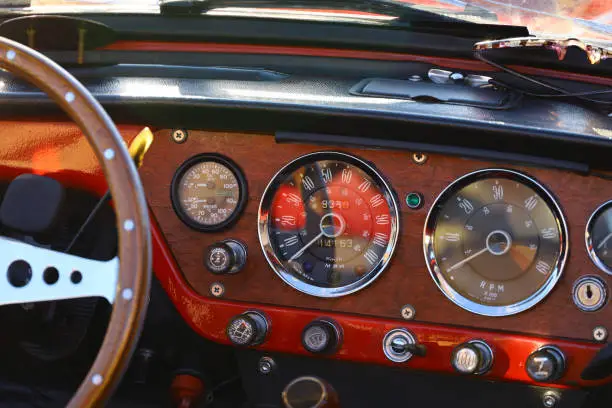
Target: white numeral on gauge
<point>380,239</point>
<point>346,176</point>
<point>382,219</point>
<point>371,256</point>
<point>308,183</point>
<point>327,175</point>
<point>452,236</point>
<point>466,206</point>
<point>498,192</point>
<point>287,220</point>
<point>531,202</point>
<point>548,233</point>
<point>542,267</point>
<point>290,241</point>
<point>293,199</point>
<point>376,200</point>
<point>364,186</point>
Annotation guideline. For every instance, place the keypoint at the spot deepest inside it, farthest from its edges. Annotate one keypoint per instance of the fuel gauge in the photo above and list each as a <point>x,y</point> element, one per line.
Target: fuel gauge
<point>598,236</point>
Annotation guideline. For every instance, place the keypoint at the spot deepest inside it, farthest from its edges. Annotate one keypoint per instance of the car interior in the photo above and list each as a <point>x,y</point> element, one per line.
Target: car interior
<point>305,203</point>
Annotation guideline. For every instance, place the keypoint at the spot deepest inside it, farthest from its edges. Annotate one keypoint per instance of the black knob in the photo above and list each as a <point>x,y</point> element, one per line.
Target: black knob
<point>473,357</point>
<point>546,364</point>
<point>247,329</point>
<point>225,257</point>
<point>321,336</point>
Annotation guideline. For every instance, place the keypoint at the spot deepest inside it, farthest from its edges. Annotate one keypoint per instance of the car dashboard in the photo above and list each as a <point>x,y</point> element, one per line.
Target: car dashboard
<point>295,218</point>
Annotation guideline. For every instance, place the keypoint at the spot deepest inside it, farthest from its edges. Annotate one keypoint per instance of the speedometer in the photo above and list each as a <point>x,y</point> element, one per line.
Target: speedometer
<point>495,242</point>
<point>328,224</point>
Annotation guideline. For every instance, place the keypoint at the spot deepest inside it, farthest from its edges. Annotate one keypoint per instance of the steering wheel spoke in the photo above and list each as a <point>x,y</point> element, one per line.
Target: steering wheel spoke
<point>34,274</point>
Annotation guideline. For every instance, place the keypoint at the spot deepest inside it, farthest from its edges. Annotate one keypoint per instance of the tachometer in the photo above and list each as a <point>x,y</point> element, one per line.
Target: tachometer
<point>495,242</point>
<point>328,224</point>
<point>208,192</point>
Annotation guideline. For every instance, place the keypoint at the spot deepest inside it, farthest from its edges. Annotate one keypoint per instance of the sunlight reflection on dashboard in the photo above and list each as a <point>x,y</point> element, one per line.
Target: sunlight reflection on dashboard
<point>252,93</point>
<point>149,89</point>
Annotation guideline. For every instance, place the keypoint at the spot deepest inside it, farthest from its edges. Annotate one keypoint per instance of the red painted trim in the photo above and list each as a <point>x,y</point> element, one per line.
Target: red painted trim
<point>454,63</point>
<point>209,317</point>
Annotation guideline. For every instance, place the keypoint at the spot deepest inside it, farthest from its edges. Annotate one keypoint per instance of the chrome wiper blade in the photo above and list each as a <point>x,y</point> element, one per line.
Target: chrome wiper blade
<point>406,15</point>
<point>400,10</point>
<point>595,52</point>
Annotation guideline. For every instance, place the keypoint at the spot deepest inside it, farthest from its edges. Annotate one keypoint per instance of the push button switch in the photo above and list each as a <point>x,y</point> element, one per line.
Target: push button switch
<point>322,337</point>
<point>473,357</point>
<point>547,364</point>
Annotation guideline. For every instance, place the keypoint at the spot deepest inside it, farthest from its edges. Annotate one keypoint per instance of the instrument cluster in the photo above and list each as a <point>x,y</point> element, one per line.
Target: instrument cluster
<point>495,241</point>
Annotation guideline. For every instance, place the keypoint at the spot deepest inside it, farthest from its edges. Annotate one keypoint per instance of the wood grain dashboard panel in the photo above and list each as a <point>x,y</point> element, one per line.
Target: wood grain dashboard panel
<point>406,280</point>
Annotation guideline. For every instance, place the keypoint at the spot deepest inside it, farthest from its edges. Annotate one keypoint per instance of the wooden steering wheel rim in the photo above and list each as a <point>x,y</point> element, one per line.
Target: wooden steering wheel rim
<point>134,274</point>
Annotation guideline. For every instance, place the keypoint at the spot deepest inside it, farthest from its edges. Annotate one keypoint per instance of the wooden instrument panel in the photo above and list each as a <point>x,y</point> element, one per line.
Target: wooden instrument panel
<point>406,280</point>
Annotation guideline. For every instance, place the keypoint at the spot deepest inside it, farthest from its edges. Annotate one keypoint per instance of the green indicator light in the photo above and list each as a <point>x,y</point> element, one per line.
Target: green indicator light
<point>414,200</point>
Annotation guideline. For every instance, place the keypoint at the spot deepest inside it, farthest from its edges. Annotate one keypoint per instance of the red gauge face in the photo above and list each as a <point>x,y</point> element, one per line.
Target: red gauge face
<point>329,224</point>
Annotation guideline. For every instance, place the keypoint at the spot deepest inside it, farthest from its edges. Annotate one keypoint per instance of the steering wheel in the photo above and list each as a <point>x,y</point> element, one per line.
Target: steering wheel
<point>124,281</point>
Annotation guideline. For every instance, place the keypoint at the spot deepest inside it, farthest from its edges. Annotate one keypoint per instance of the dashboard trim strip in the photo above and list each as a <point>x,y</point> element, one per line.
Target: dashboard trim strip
<point>167,46</point>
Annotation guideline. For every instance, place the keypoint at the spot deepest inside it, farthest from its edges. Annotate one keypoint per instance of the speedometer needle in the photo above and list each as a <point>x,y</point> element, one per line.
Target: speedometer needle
<point>466,260</point>
<point>602,243</point>
<point>305,247</point>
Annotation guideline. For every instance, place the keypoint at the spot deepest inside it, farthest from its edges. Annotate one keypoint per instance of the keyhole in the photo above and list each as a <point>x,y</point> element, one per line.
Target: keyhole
<point>589,292</point>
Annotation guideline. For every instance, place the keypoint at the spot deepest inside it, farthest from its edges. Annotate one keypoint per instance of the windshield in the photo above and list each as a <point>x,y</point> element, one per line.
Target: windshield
<point>566,18</point>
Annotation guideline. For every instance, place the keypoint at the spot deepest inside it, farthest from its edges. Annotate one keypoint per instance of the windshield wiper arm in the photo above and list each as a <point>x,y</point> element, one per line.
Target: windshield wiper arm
<point>406,15</point>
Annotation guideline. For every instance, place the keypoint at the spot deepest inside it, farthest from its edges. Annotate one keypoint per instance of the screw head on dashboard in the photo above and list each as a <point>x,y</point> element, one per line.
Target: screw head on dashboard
<point>179,135</point>
<point>266,365</point>
<point>600,333</point>
<point>419,158</point>
<point>408,312</point>
<point>550,399</point>
<point>217,289</point>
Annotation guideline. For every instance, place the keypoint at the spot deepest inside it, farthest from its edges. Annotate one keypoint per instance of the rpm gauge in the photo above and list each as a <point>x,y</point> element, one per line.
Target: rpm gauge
<point>495,242</point>
<point>328,224</point>
<point>208,192</point>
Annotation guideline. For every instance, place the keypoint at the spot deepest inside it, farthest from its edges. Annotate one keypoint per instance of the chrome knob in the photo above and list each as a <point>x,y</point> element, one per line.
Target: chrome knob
<point>248,329</point>
<point>473,357</point>
<point>400,345</point>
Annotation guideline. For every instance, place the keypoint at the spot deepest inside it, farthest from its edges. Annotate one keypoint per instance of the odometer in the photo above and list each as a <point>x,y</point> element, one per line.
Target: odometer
<point>328,224</point>
<point>495,242</point>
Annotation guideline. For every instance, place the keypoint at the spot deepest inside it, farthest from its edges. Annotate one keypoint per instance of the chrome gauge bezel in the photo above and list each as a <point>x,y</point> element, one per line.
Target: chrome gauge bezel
<point>264,236</point>
<point>588,238</point>
<point>175,185</point>
<point>436,273</point>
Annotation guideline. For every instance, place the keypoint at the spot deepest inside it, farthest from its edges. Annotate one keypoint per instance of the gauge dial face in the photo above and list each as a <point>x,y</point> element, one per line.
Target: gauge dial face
<point>495,242</point>
<point>599,237</point>
<point>208,192</point>
<point>328,224</point>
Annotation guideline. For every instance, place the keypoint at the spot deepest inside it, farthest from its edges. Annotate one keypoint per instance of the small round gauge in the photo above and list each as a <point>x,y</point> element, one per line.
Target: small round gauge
<point>495,242</point>
<point>328,224</point>
<point>598,236</point>
<point>208,192</point>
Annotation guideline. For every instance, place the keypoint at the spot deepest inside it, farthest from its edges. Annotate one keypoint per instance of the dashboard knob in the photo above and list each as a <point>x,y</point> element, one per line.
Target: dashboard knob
<point>310,392</point>
<point>400,345</point>
<point>473,357</point>
<point>225,257</point>
<point>247,329</point>
<point>321,337</point>
<point>546,364</point>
